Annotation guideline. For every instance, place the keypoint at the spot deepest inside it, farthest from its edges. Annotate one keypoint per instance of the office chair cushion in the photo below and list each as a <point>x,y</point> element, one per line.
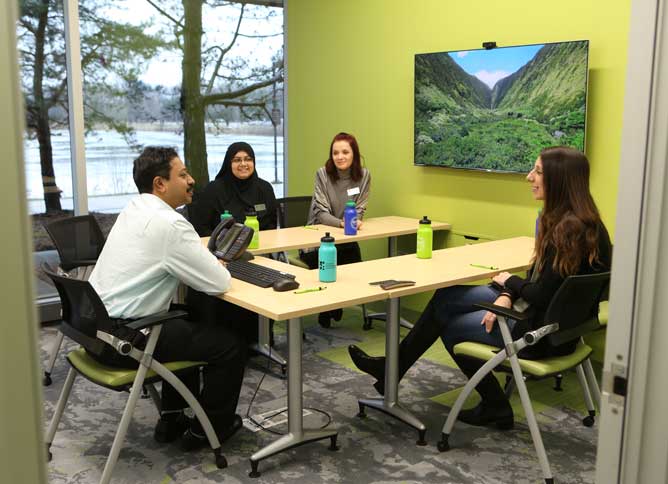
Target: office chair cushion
<point>296,261</point>
<point>537,368</point>
<point>603,313</point>
<point>116,378</point>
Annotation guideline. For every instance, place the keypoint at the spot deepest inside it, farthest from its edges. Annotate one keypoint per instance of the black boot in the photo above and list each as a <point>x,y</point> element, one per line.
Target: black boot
<point>371,365</point>
<point>494,409</point>
<point>324,319</point>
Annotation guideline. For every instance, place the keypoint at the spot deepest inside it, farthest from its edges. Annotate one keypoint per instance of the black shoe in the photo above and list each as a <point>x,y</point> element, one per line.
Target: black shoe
<point>337,314</point>
<point>499,414</point>
<point>194,440</point>
<point>324,319</point>
<point>171,427</point>
<point>372,365</point>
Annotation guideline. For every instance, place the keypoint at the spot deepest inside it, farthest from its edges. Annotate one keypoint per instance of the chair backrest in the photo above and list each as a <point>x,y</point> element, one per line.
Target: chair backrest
<point>83,312</point>
<point>293,211</point>
<point>575,307</point>
<point>78,240</point>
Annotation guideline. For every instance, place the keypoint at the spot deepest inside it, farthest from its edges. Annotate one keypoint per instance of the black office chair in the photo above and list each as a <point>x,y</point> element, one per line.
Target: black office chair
<point>79,241</point>
<point>85,320</point>
<point>572,313</point>
<point>293,211</point>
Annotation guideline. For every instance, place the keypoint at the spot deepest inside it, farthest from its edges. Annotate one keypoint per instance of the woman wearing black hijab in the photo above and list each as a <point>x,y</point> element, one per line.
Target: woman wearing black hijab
<point>238,189</point>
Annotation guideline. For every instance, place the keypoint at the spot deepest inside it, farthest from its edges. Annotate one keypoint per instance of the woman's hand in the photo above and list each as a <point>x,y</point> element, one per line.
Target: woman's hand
<point>359,224</point>
<point>490,318</point>
<point>501,278</point>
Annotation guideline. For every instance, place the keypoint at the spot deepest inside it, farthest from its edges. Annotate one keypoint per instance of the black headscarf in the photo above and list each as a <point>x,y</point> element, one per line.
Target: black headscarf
<point>227,192</point>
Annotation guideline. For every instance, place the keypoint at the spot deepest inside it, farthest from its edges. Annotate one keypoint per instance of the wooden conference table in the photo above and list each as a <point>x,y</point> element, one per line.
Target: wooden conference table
<point>291,238</point>
<point>447,267</point>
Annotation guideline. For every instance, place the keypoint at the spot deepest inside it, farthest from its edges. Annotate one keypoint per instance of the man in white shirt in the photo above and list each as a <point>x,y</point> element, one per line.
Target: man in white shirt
<point>149,251</point>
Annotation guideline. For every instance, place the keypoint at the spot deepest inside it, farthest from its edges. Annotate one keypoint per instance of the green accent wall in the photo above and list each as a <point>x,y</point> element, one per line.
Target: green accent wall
<point>350,68</point>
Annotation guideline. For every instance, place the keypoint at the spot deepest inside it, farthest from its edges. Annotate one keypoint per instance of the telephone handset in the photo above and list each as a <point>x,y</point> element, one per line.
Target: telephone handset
<point>229,240</point>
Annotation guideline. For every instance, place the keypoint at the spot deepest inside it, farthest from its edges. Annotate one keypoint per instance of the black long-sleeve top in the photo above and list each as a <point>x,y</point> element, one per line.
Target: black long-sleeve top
<point>539,293</point>
<point>219,196</point>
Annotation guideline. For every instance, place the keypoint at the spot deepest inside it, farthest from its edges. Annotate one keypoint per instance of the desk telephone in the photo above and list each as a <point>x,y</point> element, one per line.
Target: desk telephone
<point>229,240</point>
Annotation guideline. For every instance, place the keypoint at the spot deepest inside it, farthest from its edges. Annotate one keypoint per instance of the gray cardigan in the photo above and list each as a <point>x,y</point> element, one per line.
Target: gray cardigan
<point>329,198</point>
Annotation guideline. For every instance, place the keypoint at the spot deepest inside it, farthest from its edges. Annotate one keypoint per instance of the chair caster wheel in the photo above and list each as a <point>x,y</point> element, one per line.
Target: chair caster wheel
<point>443,444</point>
<point>332,443</point>
<point>368,324</point>
<point>47,379</point>
<point>589,420</point>
<point>49,455</point>
<point>254,473</point>
<point>221,461</point>
<point>284,370</point>
<point>362,412</point>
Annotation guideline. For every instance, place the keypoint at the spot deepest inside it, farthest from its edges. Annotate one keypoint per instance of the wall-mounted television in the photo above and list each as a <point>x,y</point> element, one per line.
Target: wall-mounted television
<point>494,110</point>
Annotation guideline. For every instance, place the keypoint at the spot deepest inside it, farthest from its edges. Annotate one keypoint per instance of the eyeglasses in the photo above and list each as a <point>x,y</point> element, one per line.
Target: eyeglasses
<point>246,160</point>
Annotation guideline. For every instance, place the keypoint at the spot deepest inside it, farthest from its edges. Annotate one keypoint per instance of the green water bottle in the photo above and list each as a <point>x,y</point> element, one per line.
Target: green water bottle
<point>424,239</point>
<point>225,215</point>
<point>253,222</point>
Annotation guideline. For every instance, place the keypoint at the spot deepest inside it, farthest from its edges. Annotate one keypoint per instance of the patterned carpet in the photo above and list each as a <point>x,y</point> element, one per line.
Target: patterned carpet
<point>376,449</point>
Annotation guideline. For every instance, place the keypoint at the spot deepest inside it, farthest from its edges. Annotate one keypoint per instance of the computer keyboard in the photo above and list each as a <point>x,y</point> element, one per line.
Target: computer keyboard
<point>255,273</point>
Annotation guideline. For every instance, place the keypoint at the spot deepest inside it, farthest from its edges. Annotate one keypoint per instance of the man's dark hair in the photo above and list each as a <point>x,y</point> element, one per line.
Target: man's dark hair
<point>153,161</point>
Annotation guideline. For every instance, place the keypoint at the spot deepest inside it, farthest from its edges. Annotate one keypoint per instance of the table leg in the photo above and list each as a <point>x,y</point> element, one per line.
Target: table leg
<point>391,252</point>
<point>296,435</point>
<point>389,404</point>
<point>263,345</point>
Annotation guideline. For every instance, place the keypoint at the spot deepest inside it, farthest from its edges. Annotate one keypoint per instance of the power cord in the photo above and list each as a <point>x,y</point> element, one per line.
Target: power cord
<point>278,412</point>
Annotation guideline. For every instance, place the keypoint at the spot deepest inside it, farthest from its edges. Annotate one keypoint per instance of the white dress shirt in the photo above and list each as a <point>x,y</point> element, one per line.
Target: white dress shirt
<point>150,248</point>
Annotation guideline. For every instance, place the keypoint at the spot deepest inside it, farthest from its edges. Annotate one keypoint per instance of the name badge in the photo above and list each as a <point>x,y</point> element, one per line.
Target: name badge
<point>353,191</point>
<point>260,207</point>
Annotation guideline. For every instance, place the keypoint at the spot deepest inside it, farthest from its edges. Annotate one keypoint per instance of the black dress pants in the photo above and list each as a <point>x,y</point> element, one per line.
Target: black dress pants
<point>347,253</point>
<point>222,348</point>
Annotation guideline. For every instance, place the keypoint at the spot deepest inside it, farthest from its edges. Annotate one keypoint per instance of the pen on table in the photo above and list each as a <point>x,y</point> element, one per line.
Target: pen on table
<point>480,266</point>
<point>311,289</point>
<point>310,227</point>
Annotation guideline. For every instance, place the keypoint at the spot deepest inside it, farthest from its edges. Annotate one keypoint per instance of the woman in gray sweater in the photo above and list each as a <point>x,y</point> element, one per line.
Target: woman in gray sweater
<point>341,179</point>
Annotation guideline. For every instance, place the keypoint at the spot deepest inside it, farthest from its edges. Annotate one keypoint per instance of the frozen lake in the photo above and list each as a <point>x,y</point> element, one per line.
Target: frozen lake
<point>109,165</point>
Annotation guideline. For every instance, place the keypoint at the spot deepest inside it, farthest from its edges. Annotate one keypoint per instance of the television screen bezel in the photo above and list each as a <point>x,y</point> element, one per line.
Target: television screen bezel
<point>488,170</point>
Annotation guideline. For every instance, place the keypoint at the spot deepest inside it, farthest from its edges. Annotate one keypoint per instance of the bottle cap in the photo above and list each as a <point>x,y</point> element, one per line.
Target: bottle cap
<point>327,238</point>
<point>250,212</point>
<point>425,220</point>
<point>350,203</point>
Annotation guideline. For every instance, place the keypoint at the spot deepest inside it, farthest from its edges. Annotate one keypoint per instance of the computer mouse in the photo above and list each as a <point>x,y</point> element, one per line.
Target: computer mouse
<point>282,285</point>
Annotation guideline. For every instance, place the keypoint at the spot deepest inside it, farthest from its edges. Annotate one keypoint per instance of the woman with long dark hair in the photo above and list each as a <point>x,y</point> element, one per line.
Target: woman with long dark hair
<point>571,240</point>
<point>341,179</point>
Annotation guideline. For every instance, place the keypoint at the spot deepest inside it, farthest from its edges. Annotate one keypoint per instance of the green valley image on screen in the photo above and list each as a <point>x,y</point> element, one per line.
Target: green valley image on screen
<point>494,110</point>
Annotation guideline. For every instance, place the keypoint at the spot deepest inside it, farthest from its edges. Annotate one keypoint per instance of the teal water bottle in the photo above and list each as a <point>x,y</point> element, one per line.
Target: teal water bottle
<point>424,239</point>
<point>254,223</point>
<point>327,259</point>
<point>350,218</point>
<point>225,215</point>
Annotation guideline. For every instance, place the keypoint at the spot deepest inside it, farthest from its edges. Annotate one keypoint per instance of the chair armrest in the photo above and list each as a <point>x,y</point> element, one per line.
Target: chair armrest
<point>532,337</point>
<point>501,311</point>
<point>154,319</point>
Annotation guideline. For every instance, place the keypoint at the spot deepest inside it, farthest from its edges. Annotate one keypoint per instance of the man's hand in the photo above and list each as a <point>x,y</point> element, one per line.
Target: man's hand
<point>359,224</point>
<point>490,318</point>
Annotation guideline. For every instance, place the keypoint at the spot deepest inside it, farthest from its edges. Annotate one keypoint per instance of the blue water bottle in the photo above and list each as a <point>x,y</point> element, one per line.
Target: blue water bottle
<point>350,218</point>
<point>327,259</point>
